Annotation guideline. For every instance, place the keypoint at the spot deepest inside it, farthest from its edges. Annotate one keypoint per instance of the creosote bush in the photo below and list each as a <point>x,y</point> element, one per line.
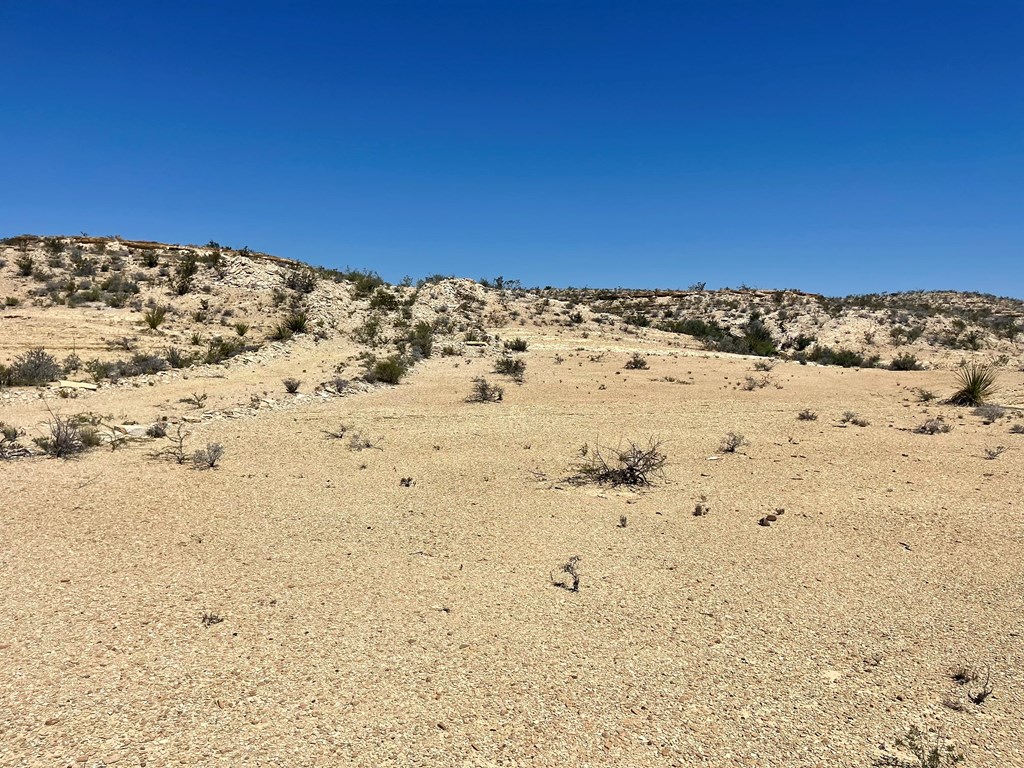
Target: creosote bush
<point>636,362</point>
<point>516,345</point>
<point>636,464</point>
<point>485,392</point>
<point>512,367</point>
<point>388,370</point>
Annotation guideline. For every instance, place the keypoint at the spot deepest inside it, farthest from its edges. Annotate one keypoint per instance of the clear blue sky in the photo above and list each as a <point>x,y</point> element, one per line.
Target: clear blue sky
<point>830,146</point>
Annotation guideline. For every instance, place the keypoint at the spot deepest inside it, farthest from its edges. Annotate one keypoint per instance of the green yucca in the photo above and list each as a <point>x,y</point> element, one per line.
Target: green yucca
<point>977,384</point>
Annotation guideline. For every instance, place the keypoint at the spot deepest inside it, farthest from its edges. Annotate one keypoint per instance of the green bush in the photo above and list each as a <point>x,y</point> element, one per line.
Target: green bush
<point>389,370</point>
<point>905,362</point>
<point>155,316</point>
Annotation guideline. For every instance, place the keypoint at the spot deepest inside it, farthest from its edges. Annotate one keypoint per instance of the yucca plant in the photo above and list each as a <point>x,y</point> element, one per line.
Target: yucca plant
<point>155,316</point>
<point>977,383</point>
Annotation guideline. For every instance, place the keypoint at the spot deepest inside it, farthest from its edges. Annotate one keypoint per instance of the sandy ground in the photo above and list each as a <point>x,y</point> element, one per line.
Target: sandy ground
<point>367,623</point>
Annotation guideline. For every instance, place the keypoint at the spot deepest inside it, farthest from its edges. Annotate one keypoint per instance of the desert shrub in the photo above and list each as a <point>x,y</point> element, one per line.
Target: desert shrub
<point>512,367</point>
<point>389,370</point>
<point>184,272</point>
<point>844,358</point>
<point>25,264</point>
<point>220,349</point>
<point>11,301</point>
<point>924,395</point>
<point>281,332</point>
<point>37,366</point>
<point>383,299</point>
<point>516,345</point>
<point>850,417</point>
<point>990,413</point>
<point>485,392</point>
<point>9,446</point>
<point>449,350</point>
<point>636,362</point>
<point>977,383</point>
<point>1017,429</point>
<point>731,443</point>
<point>635,464</point>
<point>929,749</point>
<point>807,415</point>
<point>150,259</point>
<point>178,359</point>
<point>905,362</point>
<point>995,453</point>
<point>157,429</point>
<point>297,322</point>
<point>142,363</point>
<point>418,341</point>
<point>933,427</point>
<point>155,316</point>
<point>208,457</point>
<point>241,328</point>
<point>568,575</point>
<point>363,283</point>
<point>64,438</point>
<point>291,386</point>
<point>301,280</point>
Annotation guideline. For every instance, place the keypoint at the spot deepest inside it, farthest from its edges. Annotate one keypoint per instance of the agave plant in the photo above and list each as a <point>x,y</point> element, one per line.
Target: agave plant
<point>977,383</point>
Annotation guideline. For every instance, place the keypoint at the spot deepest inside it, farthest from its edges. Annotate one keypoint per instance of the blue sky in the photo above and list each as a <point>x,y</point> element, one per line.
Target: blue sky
<point>829,146</point>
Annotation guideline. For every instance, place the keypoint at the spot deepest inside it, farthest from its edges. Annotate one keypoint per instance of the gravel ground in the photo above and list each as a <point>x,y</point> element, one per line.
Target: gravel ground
<point>354,620</point>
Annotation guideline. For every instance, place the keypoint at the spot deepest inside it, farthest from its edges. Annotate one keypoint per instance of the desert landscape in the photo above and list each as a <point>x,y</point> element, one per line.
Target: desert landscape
<point>258,512</point>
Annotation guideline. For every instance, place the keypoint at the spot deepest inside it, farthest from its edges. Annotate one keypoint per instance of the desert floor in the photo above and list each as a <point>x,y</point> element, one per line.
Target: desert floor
<point>368,623</point>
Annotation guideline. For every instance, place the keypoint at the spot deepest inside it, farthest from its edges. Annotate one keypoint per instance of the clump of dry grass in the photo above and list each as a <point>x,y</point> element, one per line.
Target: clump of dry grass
<point>731,443</point>
<point>933,427</point>
<point>568,576</point>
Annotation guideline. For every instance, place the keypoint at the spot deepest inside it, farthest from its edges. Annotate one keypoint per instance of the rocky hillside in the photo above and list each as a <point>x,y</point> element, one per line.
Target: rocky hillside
<point>107,309</point>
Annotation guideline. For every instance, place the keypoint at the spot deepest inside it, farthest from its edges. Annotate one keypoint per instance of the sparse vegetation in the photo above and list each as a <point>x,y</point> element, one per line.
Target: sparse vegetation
<point>568,576</point>
<point>851,417</point>
<point>934,426</point>
<point>485,392</point>
<point>208,457</point>
<point>513,367</point>
<point>636,464</point>
<point>977,384</point>
<point>291,386</point>
<point>155,316</point>
<point>636,362</point>
<point>516,345</point>
<point>996,452</point>
<point>731,443</point>
<point>389,370</point>
<point>929,749</point>
<point>807,415</point>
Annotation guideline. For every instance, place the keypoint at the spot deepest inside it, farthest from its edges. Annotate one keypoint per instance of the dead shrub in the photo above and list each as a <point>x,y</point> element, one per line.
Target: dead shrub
<point>635,464</point>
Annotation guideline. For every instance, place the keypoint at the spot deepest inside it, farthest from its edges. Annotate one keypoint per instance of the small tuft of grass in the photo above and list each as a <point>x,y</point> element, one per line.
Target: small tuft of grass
<point>807,415</point>
<point>155,316</point>
<point>995,453</point>
<point>851,417</point>
<point>291,386</point>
